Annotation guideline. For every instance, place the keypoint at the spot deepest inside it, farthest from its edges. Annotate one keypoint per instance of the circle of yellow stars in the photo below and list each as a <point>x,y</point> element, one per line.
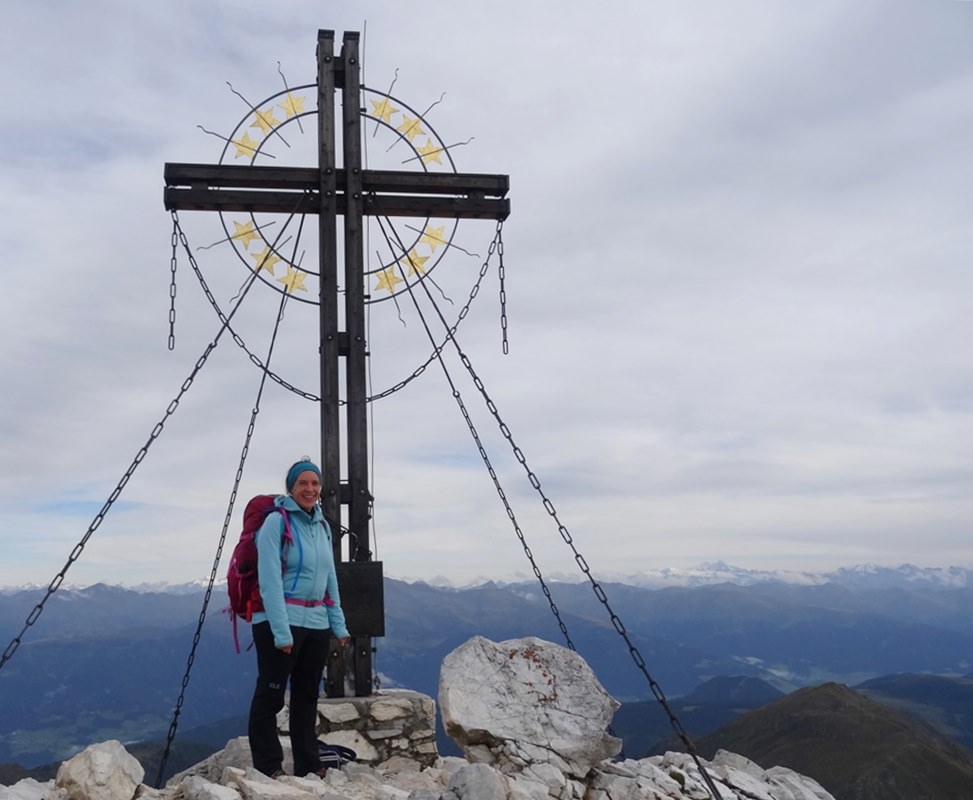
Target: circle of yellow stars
<point>411,263</point>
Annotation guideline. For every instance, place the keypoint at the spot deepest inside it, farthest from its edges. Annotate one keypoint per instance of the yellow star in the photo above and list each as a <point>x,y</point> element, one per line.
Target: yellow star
<point>265,259</point>
<point>293,280</point>
<point>387,280</point>
<point>293,105</point>
<point>264,120</point>
<point>245,146</point>
<point>430,152</point>
<point>383,109</point>
<point>416,263</point>
<point>245,233</point>
<point>433,237</point>
<point>410,127</point>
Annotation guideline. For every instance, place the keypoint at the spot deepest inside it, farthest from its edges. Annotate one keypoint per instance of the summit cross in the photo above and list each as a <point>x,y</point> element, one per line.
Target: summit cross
<point>330,190</point>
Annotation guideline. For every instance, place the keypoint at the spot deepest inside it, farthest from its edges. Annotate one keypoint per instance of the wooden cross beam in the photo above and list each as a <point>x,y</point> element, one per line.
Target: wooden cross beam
<point>282,190</point>
<point>351,192</point>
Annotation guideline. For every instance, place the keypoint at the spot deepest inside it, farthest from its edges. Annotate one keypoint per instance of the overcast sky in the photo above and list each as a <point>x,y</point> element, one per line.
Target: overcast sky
<point>738,286</point>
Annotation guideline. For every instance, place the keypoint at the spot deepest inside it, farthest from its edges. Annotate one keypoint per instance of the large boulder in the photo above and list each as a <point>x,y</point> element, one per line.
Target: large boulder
<point>105,771</point>
<point>526,701</point>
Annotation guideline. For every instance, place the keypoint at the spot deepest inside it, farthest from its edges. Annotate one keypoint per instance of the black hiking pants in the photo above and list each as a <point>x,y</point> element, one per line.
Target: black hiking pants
<point>303,666</point>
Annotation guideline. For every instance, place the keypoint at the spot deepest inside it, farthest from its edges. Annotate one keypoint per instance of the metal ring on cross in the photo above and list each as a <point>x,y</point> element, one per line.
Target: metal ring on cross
<point>282,251</point>
<point>256,239</point>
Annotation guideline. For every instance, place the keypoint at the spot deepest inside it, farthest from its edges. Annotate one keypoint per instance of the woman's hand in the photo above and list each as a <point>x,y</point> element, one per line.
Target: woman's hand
<point>286,649</point>
<point>343,642</point>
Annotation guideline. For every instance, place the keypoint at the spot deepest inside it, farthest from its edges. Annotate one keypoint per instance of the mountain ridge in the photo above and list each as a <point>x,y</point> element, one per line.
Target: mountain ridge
<point>854,747</point>
<point>856,576</point>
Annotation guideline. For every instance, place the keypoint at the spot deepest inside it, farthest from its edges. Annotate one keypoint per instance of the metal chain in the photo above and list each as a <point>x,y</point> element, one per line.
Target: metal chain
<point>226,322</point>
<point>100,516</point>
<point>156,431</point>
<point>472,428</point>
<point>502,271</point>
<point>255,359</point>
<point>562,529</point>
<point>583,566</point>
<point>486,460</point>
<point>484,268</point>
<point>173,726</point>
<point>506,505</point>
<point>585,569</point>
<point>172,283</point>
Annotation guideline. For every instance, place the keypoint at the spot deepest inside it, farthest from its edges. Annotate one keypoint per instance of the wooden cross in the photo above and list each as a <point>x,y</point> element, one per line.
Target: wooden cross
<point>349,191</point>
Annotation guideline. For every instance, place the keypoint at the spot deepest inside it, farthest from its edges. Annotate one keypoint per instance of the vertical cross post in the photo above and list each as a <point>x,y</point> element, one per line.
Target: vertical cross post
<point>328,284</point>
<point>356,494</point>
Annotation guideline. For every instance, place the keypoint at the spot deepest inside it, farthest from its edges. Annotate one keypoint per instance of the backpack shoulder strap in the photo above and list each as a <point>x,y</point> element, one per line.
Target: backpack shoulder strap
<point>286,540</point>
<point>288,533</point>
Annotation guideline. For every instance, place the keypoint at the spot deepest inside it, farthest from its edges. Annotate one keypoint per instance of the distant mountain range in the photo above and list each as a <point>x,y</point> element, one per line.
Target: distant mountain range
<point>860,576</point>
<point>106,662</point>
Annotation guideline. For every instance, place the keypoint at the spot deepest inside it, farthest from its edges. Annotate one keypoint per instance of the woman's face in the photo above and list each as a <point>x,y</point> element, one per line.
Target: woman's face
<point>307,489</point>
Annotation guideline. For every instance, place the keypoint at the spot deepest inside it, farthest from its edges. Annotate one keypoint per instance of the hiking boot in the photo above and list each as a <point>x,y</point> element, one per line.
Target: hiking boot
<point>278,773</point>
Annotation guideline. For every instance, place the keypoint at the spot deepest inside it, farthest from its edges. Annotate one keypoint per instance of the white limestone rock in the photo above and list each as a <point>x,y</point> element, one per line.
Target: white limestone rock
<point>776,783</point>
<point>477,782</point>
<point>337,712</point>
<point>198,788</point>
<point>526,788</point>
<point>235,754</point>
<point>28,789</point>
<point>683,768</point>
<point>674,776</point>
<point>548,776</point>
<point>633,780</point>
<point>742,774</point>
<point>251,784</point>
<point>103,771</point>
<point>526,699</point>
<point>800,786</point>
<point>407,777</point>
<point>389,708</point>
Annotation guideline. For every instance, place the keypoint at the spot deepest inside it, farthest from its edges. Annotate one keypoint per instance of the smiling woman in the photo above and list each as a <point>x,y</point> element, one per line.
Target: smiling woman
<point>302,611</point>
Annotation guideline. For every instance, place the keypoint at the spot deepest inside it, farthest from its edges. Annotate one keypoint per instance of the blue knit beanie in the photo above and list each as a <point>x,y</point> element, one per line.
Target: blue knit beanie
<point>297,469</point>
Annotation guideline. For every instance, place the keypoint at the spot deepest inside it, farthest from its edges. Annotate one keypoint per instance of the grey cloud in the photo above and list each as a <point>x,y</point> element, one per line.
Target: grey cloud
<point>736,271</point>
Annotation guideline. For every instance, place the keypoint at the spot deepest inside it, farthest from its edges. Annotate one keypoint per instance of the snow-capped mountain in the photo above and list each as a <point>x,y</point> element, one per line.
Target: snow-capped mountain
<point>858,577</point>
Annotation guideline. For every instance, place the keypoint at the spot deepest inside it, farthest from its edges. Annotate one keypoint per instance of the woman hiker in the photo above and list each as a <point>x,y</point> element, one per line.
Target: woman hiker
<point>302,610</point>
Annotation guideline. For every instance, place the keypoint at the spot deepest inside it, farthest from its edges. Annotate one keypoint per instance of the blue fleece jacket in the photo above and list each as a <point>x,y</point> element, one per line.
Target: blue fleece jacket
<point>309,572</point>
